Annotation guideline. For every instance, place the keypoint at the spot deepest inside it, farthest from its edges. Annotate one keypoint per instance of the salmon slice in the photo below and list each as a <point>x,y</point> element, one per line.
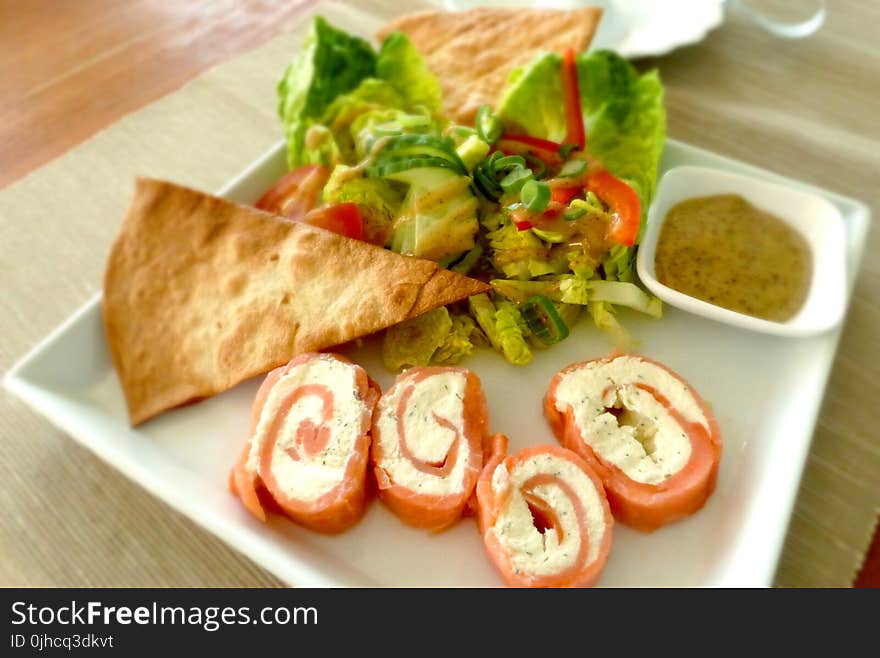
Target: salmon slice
<point>310,443</point>
<point>543,517</point>
<point>644,430</point>
<point>428,434</point>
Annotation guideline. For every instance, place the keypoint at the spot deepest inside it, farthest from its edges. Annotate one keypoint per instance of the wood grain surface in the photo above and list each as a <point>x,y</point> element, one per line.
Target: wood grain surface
<point>805,109</point>
<point>70,67</point>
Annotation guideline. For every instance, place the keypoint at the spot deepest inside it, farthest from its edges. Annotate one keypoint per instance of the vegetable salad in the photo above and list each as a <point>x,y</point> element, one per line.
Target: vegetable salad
<point>544,197</point>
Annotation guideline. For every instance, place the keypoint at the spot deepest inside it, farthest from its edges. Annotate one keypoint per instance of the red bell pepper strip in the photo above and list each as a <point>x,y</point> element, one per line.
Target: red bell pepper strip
<point>624,204</point>
<point>563,195</point>
<point>535,142</point>
<point>544,149</point>
<point>571,95</point>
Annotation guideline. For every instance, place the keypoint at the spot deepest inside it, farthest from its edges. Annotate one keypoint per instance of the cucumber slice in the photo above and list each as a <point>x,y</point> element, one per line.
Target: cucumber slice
<point>388,167</point>
<point>434,146</point>
<point>438,218</point>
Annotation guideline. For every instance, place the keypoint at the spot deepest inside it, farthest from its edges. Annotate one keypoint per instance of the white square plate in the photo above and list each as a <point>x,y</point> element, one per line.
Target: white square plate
<point>765,391</point>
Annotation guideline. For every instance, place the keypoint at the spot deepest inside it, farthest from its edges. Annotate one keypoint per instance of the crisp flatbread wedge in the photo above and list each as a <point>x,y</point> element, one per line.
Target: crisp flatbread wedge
<point>201,294</point>
<point>472,52</point>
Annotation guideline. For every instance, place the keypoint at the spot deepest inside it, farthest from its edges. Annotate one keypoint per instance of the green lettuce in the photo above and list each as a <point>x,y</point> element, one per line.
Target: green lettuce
<point>400,64</point>
<point>503,325</point>
<point>436,337</point>
<point>414,341</point>
<point>344,117</point>
<point>336,78</point>
<point>458,342</point>
<point>330,63</point>
<point>577,290</point>
<point>618,264</point>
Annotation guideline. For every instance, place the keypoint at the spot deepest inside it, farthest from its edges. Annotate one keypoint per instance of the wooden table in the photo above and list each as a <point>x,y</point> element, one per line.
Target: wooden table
<point>68,69</point>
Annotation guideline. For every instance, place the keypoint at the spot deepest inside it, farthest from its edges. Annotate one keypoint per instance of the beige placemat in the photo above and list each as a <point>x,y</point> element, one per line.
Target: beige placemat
<point>68,519</point>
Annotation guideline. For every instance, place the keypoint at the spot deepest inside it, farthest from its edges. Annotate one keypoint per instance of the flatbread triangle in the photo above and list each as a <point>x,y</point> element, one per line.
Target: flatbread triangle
<point>201,294</point>
<point>473,51</point>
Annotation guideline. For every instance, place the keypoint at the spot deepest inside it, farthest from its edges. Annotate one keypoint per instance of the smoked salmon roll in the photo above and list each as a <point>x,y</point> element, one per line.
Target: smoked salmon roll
<point>647,434</point>
<point>544,517</point>
<point>310,443</point>
<point>428,434</point>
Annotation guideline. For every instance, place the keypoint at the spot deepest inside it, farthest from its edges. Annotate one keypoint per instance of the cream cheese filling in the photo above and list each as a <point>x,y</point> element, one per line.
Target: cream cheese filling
<point>310,476</point>
<point>625,424</point>
<point>541,553</point>
<point>442,395</point>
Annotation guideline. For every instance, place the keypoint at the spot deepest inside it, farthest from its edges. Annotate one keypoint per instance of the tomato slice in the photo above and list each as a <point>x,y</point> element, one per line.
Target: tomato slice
<point>574,118</point>
<point>522,219</point>
<point>295,193</point>
<point>624,204</point>
<point>341,218</point>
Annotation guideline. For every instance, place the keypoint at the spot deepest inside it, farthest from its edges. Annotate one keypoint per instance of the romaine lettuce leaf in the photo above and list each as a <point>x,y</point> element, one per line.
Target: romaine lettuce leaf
<point>618,264</point>
<point>575,290</point>
<point>413,342</point>
<point>457,343</point>
<point>348,112</point>
<point>532,102</point>
<point>401,65</point>
<point>436,337</point>
<point>337,77</point>
<point>330,63</point>
<point>503,326</point>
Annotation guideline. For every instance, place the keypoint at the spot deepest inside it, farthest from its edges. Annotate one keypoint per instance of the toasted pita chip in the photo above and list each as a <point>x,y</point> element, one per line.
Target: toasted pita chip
<point>472,52</point>
<point>201,294</point>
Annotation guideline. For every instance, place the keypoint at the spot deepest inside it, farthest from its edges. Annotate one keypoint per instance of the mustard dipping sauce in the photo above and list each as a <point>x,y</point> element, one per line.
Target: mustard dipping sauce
<point>725,251</point>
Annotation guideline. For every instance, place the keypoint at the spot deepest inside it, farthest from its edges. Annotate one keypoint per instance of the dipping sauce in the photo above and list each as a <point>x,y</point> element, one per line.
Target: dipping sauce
<point>725,251</point>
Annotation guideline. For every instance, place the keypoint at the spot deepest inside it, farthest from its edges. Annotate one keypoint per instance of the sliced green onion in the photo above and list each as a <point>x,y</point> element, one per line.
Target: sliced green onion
<point>508,162</point>
<point>513,182</point>
<point>543,320</point>
<point>414,121</point>
<point>535,195</point>
<point>485,181</point>
<point>463,131</point>
<point>491,159</point>
<point>488,125</point>
<point>574,213</point>
<point>537,165</point>
<point>573,168</point>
